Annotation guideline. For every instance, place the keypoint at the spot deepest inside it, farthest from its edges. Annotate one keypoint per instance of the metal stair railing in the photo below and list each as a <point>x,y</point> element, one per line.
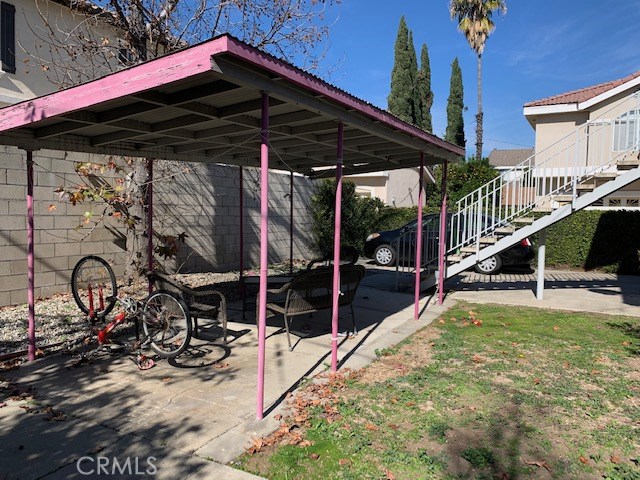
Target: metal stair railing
<point>556,170</point>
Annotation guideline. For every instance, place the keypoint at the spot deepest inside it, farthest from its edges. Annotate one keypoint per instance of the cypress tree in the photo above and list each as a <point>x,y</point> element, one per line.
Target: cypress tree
<point>455,107</point>
<point>401,99</point>
<point>424,93</point>
<point>413,93</point>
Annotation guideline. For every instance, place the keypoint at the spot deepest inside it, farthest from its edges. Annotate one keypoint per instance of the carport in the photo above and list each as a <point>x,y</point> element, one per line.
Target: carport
<point>226,102</point>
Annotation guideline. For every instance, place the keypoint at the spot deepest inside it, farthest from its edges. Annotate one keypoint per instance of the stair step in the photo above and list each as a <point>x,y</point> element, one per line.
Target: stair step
<point>628,164</point>
<point>488,240</point>
<point>454,258</point>
<point>504,230</point>
<point>563,199</point>
<point>586,187</point>
<point>543,209</point>
<point>606,175</point>
<point>523,220</point>
<point>469,249</point>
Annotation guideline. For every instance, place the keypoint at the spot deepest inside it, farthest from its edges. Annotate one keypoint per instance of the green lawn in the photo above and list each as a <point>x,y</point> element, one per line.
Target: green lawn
<point>485,392</point>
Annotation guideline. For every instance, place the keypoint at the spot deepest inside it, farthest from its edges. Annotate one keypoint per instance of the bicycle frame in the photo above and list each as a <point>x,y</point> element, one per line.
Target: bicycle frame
<point>92,312</point>
<point>131,311</point>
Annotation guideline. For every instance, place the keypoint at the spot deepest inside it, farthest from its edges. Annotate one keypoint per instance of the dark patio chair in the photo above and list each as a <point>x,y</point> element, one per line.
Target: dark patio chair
<point>203,302</point>
<point>311,291</point>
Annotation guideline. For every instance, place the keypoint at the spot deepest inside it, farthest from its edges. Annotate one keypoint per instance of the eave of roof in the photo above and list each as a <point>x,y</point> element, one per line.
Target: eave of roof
<point>307,104</point>
<point>583,98</point>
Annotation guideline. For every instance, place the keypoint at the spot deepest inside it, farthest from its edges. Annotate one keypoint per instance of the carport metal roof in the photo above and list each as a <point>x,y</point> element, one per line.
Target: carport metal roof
<point>203,104</point>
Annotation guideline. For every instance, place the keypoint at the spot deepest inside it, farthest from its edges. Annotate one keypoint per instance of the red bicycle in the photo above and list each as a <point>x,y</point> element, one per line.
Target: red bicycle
<point>165,318</point>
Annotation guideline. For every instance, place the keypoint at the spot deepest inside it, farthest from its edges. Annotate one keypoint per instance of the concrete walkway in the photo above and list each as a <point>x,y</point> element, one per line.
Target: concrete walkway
<point>578,291</point>
<point>187,418</point>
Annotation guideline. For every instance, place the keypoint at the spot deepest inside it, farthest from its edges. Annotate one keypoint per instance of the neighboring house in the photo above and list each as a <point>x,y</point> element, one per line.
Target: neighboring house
<point>504,161</point>
<point>593,127</point>
<point>398,188</point>
<point>509,164</point>
<point>26,61</point>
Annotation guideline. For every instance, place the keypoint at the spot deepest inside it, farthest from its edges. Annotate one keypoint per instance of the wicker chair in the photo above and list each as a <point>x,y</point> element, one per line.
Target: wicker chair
<point>202,301</point>
<point>311,291</point>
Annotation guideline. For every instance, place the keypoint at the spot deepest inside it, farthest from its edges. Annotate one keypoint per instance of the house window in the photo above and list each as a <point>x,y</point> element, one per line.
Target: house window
<point>626,131</point>
<point>8,37</point>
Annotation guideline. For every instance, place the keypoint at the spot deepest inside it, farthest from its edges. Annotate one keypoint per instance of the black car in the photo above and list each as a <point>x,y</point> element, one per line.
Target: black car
<point>381,247</point>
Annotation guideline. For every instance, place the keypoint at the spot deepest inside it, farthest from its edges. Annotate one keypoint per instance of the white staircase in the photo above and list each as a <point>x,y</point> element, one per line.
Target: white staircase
<point>571,174</point>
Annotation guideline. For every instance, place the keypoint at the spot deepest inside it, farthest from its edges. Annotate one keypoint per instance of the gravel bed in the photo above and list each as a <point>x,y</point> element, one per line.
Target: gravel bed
<point>58,319</point>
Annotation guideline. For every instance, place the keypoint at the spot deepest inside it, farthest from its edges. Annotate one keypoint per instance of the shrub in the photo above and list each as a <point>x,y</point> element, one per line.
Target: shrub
<point>359,216</point>
<point>596,239</point>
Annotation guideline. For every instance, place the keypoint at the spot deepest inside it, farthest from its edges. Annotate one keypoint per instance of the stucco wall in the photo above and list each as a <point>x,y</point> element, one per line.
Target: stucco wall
<point>203,203</point>
<point>35,73</point>
<point>398,188</point>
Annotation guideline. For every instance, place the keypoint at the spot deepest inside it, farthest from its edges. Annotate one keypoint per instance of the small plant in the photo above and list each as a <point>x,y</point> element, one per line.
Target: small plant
<point>386,352</point>
<point>438,430</point>
<point>478,457</point>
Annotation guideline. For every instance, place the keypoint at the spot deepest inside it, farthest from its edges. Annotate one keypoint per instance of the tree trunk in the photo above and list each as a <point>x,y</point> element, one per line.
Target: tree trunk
<point>479,119</point>
<point>137,247</point>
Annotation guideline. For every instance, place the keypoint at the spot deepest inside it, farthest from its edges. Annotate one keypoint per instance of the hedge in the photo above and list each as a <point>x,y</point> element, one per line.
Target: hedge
<point>608,241</point>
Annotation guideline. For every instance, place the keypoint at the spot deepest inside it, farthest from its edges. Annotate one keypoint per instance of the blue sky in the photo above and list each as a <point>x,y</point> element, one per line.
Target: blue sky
<point>538,49</point>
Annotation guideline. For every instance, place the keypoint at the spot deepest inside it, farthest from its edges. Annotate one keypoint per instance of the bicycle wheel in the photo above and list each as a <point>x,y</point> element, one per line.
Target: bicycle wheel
<point>94,288</point>
<point>166,321</point>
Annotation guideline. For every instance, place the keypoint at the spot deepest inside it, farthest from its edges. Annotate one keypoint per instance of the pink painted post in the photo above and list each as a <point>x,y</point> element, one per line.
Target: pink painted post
<point>264,245</point>
<point>291,224</point>
<point>416,306</point>
<point>30,262</point>
<point>241,193</point>
<point>336,252</point>
<point>150,219</point>
<point>442,241</point>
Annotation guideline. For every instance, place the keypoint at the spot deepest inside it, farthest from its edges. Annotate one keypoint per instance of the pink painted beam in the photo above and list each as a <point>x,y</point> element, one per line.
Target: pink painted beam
<point>147,76</point>
<point>264,246</point>
<point>416,306</point>
<point>31,338</point>
<point>442,241</point>
<point>150,219</point>
<point>336,252</point>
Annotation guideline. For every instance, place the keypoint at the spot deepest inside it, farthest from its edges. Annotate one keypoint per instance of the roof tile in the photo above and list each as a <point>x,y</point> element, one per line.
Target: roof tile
<point>582,94</point>
<point>509,158</point>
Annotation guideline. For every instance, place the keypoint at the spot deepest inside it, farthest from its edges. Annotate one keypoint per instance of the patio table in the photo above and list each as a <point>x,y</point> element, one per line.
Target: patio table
<point>273,281</point>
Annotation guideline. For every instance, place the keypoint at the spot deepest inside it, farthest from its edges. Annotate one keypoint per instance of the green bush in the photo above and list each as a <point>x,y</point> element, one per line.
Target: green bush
<point>359,216</point>
<point>596,240</point>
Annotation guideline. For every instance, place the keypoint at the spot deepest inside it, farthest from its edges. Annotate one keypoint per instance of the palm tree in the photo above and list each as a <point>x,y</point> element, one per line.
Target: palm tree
<point>474,21</point>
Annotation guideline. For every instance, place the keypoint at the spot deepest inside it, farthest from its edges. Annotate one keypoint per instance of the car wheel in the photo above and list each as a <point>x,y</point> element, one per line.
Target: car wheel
<point>384,255</point>
<point>490,265</point>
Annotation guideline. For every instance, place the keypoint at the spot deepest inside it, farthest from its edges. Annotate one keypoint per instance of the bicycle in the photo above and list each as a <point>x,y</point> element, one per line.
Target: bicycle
<point>165,317</point>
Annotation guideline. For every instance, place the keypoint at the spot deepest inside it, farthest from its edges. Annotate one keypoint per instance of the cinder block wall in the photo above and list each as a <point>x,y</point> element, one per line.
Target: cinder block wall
<point>204,203</point>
